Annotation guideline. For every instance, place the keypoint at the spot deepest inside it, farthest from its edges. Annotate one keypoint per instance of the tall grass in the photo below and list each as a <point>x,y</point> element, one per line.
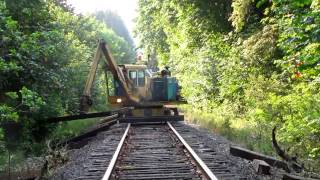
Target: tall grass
<point>63,131</point>
<point>238,130</point>
<point>73,128</point>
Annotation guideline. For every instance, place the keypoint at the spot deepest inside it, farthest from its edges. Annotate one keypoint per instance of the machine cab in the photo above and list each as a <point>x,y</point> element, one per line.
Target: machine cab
<point>137,80</point>
<point>144,87</point>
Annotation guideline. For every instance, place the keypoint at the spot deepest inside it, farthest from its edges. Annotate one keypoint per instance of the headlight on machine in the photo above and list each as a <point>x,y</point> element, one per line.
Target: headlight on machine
<point>119,100</point>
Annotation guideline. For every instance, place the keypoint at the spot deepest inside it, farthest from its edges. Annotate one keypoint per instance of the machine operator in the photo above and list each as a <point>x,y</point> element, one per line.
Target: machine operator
<point>166,72</point>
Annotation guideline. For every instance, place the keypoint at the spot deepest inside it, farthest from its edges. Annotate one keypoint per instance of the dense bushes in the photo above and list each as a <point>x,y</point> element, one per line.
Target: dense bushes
<point>262,72</point>
<point>45,54</point>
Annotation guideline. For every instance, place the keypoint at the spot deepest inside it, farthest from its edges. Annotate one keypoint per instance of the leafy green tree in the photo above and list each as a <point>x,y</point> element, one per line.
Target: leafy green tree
<point>114,22</point>
<point>253,61</point>
<point>46,52</point>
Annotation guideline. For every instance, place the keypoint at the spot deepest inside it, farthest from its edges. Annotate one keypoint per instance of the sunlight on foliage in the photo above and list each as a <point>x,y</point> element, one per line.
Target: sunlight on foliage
<point>262,73</point>
<point>46,52</point>
<point>240,13</point>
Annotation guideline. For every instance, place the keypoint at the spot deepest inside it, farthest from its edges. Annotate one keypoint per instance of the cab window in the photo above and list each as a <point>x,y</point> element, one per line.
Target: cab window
<point>133,77</point>
<point>141,78</point>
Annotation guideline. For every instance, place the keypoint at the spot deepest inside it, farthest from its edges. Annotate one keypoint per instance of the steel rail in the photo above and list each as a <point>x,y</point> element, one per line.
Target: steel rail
<point>102,126</point>
<point>87,116</point>
<point>115,156</point>
<point>207,172</point>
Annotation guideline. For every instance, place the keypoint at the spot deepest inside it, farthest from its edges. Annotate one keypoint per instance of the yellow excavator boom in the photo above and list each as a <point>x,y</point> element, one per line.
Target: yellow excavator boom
<point>103,49</point>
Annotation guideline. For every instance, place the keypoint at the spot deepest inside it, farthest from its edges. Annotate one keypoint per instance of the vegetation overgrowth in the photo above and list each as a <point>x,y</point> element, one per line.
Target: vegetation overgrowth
<point>114,21</point>
<point>249,64</point>
<point>245,66</point>
<point>45,54</point>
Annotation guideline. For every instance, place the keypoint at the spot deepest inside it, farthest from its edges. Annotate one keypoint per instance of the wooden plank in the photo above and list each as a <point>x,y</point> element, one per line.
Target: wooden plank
<point>251,155</point>
<point>77,117</point>
<point>102,127</point>
<point>86,116</point>
<point>261,167</point>
<point>107,119</point>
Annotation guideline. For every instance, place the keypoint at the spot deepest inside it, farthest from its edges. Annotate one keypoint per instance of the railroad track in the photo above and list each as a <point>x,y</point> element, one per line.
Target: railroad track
<point>155,152</point>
